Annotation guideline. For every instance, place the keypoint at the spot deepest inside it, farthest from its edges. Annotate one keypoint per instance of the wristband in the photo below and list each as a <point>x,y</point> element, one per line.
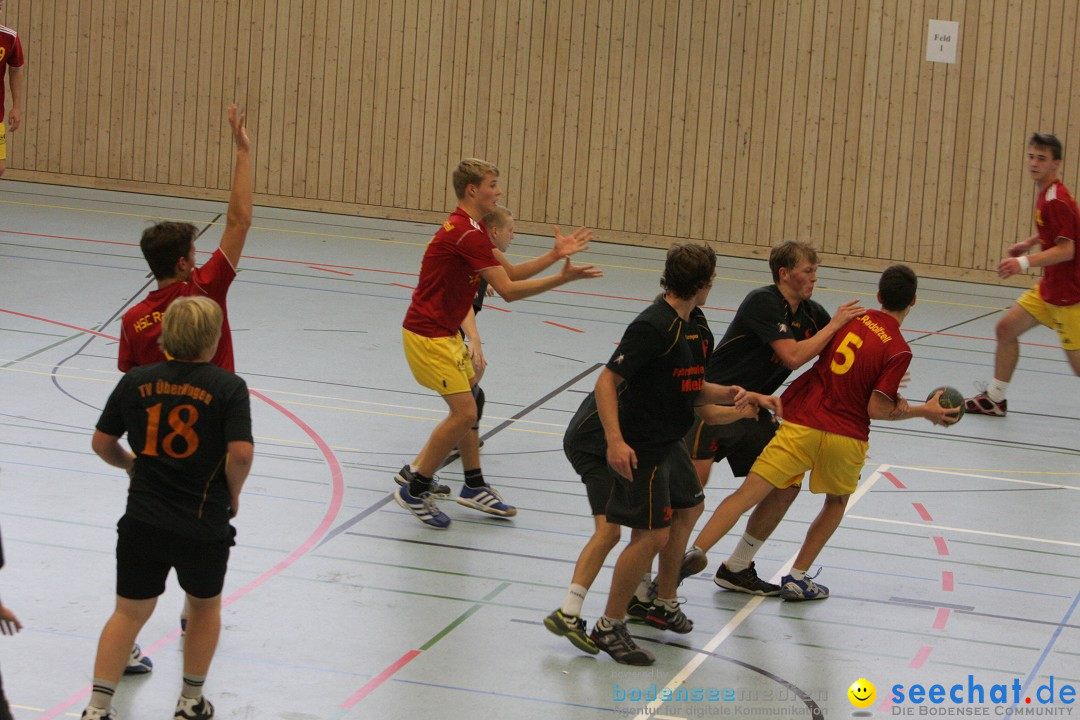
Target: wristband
<point>1025,263</point>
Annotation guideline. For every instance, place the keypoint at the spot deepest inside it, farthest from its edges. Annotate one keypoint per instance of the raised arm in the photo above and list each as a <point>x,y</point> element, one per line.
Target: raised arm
<point>796,353</point>
<point>238,220</point>
<point>564,247</point>
<point>510,290</point>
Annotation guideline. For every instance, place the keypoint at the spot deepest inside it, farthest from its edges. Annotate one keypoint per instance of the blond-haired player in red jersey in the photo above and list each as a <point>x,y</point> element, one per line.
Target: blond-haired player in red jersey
<point>1055,301</point>
<point>459,255</point>
<point>11,61</point>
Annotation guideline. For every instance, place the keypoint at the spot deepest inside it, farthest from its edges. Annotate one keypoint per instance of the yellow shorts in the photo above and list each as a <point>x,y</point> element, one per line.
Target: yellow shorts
<point>1065,319</point>
<point>3,139</point>
<point>441,364</point>
<point>835,462</point>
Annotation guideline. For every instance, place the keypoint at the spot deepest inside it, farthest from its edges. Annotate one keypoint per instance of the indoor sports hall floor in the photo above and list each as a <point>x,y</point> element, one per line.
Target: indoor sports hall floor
<point>959,555</point>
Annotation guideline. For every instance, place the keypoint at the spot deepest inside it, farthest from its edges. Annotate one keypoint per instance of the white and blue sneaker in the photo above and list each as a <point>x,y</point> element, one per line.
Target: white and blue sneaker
<point>405,476</point>
<point>805,589</point>
<point>138,664</point>
<point>424,508</point>
<point>485,499</point>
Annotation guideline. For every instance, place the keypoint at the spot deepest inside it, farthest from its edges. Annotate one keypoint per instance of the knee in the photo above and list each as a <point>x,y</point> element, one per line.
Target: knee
<point>1004,331</point>
<point>690,514</point>
<point>609,536</point>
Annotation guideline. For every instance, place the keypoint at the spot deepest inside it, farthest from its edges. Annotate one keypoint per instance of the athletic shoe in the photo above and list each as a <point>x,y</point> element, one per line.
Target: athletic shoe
<point>693,562</point>
<point>617,643</point>
<point>745,581</point>
<point>93,713</point>
<point>573,629</point>
<point>405,476</point>
<point>981,404</point>
<point>424,508</point>
<point>138,664</point>
<point>193,709</point>
<point>485,499</point>
<point>673,620</point>
<point>805,589</point>
<point>637,610</point>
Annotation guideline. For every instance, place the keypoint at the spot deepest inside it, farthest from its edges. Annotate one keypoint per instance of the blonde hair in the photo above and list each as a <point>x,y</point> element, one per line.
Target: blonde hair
<point>498,218</point>
<point>191,326</point>
<point>471,171</point>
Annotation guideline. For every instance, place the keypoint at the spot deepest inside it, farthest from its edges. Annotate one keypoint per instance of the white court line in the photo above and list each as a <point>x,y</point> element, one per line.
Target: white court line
<point>936,526</point>
<point>988,477</point>
<point>702,655</point>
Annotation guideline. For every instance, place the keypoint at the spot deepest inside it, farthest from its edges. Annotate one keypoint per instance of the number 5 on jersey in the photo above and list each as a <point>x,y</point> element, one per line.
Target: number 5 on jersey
<point>847,350</point>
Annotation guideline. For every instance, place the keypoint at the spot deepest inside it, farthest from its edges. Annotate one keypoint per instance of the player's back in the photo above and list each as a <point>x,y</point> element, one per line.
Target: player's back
<point>867,354</point>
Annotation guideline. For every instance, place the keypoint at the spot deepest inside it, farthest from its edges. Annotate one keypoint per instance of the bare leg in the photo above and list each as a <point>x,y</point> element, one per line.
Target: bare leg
<point>448,433</point>
<point>682,524</point>
<point>753,490</point>
<point>605,536</point>
<point>1074,360</point>
<point>769,512</point>
<point>1010,327</point>
<point>704,469</point>
<point>820,530</point>
<point>204,627</point>
<point>634,560</point>
<point>118,636</point>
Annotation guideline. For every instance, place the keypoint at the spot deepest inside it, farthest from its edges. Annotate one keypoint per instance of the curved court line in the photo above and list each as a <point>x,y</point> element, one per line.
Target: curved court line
<point>337,494</point>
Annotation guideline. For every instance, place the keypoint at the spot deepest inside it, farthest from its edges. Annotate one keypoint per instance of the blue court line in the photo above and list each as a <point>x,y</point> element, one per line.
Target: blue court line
<point>1046,651</point>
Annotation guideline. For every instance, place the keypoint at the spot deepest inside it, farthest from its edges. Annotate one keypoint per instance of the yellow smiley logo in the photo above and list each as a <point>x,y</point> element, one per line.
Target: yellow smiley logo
<point>862,693</point>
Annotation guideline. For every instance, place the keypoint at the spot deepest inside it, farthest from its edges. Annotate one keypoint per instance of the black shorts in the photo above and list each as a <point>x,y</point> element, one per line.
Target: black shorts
<point>145,554</point>
<point>5,710</point>
<point>597,476</point>
<point>665,483</point>
<point>740,442</point>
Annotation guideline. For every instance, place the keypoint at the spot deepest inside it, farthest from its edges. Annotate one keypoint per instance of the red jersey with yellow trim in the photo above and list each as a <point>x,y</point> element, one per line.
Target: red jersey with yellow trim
<point>141,325</point>
<point>867,355</point>
<point>449,276</point>
<point>11,53</point>
<point>1056,215</point>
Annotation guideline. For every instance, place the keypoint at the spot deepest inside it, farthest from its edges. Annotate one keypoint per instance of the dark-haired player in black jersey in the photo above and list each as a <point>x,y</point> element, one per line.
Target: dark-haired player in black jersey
<point>626,443</point>
<point>777,329</point>
<point>189,423</point>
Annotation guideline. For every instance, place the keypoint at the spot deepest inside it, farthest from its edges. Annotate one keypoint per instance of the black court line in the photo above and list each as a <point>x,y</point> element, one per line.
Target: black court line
<point>954,326</point>
<point>507,423</point>
<point>931,603</point>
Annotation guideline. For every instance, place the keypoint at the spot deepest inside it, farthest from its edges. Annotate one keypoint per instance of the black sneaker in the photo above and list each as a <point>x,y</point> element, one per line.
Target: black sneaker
<point>693,562</point>
<point>745,581</point>
<point>637,610</point>
<point>673,620</point>
<point>617,643</point>
<point>405,476</point>
<point>573,629</point>
<point>192,709</point>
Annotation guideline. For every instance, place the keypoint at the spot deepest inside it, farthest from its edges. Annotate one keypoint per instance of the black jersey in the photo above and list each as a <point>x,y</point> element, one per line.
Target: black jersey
<point>180,418</point>
<point>744,356</point>
<point>662,362</point>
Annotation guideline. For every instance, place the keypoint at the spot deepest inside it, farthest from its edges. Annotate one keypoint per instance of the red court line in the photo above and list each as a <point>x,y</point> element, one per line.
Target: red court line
<point>941,619</point>
<point>380,679</point>
<point>920,657</point>
<point>922,512</point>
<point>493,307</point>
<point>894,480</point>
<point>942,548</point>
<point>339,272</point>
<point>336,498</point>
<point>947,580</point>
<point>56,322</point>
<point>407,287</point>
<point>564,327</point>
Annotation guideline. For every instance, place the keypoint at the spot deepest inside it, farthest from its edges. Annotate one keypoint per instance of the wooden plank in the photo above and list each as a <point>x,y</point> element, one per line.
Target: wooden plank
<point>176,152</point>
<point>503,59</point>
<point>669,123</point>
<point>941,204</point>
<point>973,247</point>
<point>719,144</point>
<point>441,161</point>
<point>747,26</point>
<point>409,108</point>
<point>700,106</point>
<point>280,156</point>
<point>612,26</point>
<point>764,151</point>
<point>323,98</point>
<point>545,131</point>
<point>101,90</point>
<point>431,177</point>
<point>959,238</point>
<point>569,204</point>
<point>478,81</point>
<point>866,134</point>
<point>898,99</point>
<point>689,69</point>
<point>1029,106</point>
<point>826,109</point>
<point>261,117</point>
<point>1003,147</point>
<point>789,115</point>
<point>924,194</point>
<point>301,96</point>
<point>524,195</point>
<point>96,125</point>
<point>220,155</point>
<point>338,84</point>
<point>390,131</point>
<point>803,125</point>
<point>230,48</point>
<point>635,142</point>
<point>1067,114</point>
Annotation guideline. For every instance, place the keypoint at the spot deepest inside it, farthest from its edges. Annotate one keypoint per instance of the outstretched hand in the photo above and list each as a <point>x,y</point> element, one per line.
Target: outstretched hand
<point>578,272</point>
<point>9,624</point>
<point>567,245</point>
<point>848,311</point>
<point>240,136</point>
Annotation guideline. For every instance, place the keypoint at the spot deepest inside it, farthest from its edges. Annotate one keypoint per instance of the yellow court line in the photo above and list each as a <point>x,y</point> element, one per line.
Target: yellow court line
<point>310,233</point>
<point>961,471</point>
<point>59,375</point>
<point>1058,486</point>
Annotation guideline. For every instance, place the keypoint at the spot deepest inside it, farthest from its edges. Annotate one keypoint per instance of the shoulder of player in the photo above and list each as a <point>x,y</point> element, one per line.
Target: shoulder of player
<point>5,30</point>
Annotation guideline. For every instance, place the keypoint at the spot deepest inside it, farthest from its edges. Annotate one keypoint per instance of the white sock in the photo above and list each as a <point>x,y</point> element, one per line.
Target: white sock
<point>996,390</point>
<point>744,553</point>
<point>642,592</point>
<point>605,623</point>
<point>575,598</point>
<point>798,574</point>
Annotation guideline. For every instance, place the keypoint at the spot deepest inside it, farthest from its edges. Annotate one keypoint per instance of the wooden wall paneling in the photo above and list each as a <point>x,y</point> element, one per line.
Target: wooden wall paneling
<point>220,152</point>
<point>958,242</point>
<point>664,128</point>
<point>332,171</point>
<point>917,244</point>
<point>520,188</point>
<point>1021,105</point>
<point>310,74</point>
<point>973,236</point>
<point>80,41</point>
<point>612,17</point>
<point>898,73</point>
<point>947,156</point>
<point>835,238</point>
<point>688,100</point>
<point>160,102</point>
<point>557,49</point>
<point>1001,144</point>
<point>815,18</point>
<point>727,136</point>
<point>407,186</point>
<point>699,112</point>
<point>431,181</point>
<point>281,54</point>
<point>744,191</point>
<point>26,18</point>
<point>245,74</point>
<point>509,53</point>
<point>790,158</point>
<point>1067,102</point>
<point>322,162</point>
<point>542,170</point>
<point>628,106</point>
<point>103,40</point>
<point>180,104</point>
<point>146,87</point>
<point>188,144</point>
<point>368,131</point>
<point>261,115</point>
<point>479,61</point>
<point>197,87</point>
<point>573,164</point>
<point>394,135</point>
<point>96,125</point>
<point>460,87</point>
<point>866,130</point>
<point>766,180</point>
<point>132,46</point>
<point>68,80</point>
<point>1039,107</point>
<point>591,101</point>
<point>827,39</point>
<point>909,209</point>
